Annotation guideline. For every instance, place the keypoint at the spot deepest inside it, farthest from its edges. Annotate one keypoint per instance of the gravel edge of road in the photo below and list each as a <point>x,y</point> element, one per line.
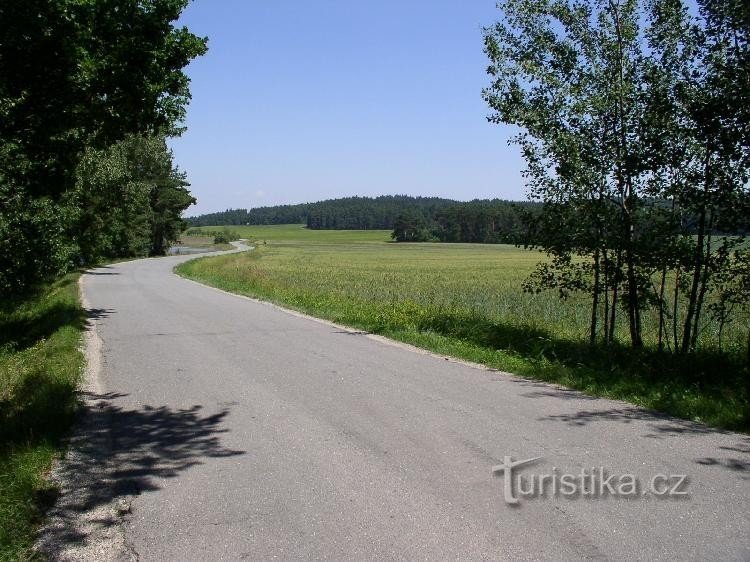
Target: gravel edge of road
<point>72,532</point>
<point>86,522</point>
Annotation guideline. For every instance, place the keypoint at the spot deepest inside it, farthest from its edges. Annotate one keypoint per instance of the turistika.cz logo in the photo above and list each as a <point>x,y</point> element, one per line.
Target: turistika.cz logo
<point>589,483</point>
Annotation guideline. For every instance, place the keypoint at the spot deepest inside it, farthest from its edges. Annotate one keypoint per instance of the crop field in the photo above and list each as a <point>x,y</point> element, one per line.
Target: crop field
<point>298,233</point>
<point>466,300</point>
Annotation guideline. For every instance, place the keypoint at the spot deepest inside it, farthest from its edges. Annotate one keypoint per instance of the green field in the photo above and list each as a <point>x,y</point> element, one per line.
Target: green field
<point>465,300</point>
<point>298,233</point>
<point>203,243</point>
<point>40,368</point>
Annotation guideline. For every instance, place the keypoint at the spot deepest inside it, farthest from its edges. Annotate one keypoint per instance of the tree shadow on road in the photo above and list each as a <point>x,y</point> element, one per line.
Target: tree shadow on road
<point>709,385</point>
<point>735,458</point>
<point>117,454</point>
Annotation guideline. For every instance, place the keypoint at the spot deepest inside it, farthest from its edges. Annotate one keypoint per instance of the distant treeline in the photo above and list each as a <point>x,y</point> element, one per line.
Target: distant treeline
<point>348,213</point>
<point>281,214</point>
<point>411,218</point>
<point>481,221</point>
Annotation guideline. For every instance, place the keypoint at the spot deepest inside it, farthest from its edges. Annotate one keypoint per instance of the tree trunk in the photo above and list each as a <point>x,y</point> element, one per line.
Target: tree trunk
<point>606,298</point>
<point>634,310</point>
<point>687,332</point>
<point>662,306</point>
<point>698,258</point>
<point>634,306</point>
<point>676,308</point>
<point>703,287</point>
<point>595,300</point>
<point>615,295</point>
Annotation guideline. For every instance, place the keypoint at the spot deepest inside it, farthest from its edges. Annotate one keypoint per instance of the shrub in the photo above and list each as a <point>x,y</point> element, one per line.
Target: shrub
<point>221,238</point>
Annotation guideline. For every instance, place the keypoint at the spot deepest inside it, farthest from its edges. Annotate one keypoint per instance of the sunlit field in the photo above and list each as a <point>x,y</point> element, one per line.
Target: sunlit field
<point>367,271</point>
<point>466,300</point>
<point>299,233</point>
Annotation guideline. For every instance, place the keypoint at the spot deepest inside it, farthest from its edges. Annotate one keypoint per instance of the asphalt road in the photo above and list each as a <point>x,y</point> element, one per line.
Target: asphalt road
<point>236,430</point>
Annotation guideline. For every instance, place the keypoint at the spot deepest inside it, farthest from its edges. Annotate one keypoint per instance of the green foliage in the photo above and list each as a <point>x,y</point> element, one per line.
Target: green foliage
<point>732,304</point>
<point>79,73</point>
<point>33,245</point>
<point>410,227</point>
<point>447,220</point>
<point>130,199</point>
<point>40,368</point>
<point>633,119</point>
<point>464,300</point>
<point>113,206</point>
<point>76,78</point>
<point>221,238</point>
<point>485,222</point>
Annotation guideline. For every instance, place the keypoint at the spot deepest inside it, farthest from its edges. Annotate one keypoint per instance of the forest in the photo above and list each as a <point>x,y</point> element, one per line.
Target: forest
<point>347,213</point>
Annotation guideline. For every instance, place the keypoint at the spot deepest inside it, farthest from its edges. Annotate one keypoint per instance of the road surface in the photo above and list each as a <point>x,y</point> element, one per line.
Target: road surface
<point>227,429</point>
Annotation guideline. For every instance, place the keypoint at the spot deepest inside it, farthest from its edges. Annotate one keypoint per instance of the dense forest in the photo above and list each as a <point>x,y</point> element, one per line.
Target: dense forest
<point>365,213</point>
<point>88,96</point>
<point>348,213</point>
<point>486,222</point>
<point>415,219</point>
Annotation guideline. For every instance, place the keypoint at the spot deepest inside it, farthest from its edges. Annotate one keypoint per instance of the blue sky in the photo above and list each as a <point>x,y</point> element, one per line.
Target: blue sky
<point>301,101</point>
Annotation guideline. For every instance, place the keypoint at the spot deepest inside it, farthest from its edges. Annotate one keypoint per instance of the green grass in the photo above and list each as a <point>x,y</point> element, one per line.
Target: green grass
<point>203,242</point>
<point>465,300</point>
<point>40,368</point>
<point>299,233</point>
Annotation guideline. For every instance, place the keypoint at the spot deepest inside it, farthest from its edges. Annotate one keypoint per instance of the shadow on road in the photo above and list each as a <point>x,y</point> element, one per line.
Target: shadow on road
<point>119,453</point>
<point>660,426</point>
<point>99,271</point>
<point>97,313</point>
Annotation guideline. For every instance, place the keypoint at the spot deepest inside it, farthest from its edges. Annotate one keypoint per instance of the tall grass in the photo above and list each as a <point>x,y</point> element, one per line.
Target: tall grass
<point>40,368</point>
<point>298,233</point>
<point>465,300</point>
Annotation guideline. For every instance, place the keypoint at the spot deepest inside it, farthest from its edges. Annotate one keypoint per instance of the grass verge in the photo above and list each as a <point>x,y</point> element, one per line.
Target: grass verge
<point>40,368</point>
<point>466,302</point>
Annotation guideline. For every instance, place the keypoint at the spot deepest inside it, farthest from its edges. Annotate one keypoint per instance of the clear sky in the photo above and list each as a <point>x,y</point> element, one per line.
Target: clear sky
<point>306,100</point>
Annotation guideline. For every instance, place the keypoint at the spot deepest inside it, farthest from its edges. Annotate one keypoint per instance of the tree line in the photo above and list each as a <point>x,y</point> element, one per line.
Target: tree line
<point>347,213</point>
<point>371,213</point>
<point>485,222</point>
<point>634,124</point>
<point>280,214</point>
<point>89,93</point>
<point>414,219</point>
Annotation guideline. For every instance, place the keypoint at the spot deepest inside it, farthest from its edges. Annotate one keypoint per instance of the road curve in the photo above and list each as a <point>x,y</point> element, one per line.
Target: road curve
<point>236,430</point>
